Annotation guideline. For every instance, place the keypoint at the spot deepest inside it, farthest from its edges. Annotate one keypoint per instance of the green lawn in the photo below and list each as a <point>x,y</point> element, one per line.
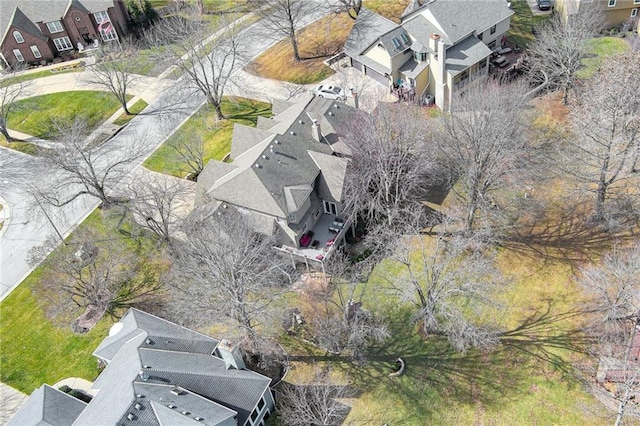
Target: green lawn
<point>24,147</point>
<point>216,136</point>
<point>34,350</point>
<point>136,109</point>
<point>37,116</point>
<point>522,23</point>
<point>40,74</point>
<point>601,48</point>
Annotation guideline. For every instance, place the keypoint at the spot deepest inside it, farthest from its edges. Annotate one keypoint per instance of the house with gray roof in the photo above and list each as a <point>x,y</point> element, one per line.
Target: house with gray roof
<point>37,31</point>
<point>158,373</point>
<point>286,176</point>
<point>438,47</point>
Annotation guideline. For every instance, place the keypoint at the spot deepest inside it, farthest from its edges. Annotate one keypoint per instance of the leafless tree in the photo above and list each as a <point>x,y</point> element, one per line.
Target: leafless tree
<point>191,152</point>
<point>281,18</point>
<point>351,7</point>
<point>484,147</point>
<point>156,201</point>
<point>613,303</point>
<point>606,122</point>
<point>560,46</point>
<point>95,274</point>
<point>225,270</point>
<point>80,166</point>
<point>448,281</point>
<point>208,65</point>
<point>314,404</point>
<point>389,164</point>
<point>10,91</point>
<point>114,69</point>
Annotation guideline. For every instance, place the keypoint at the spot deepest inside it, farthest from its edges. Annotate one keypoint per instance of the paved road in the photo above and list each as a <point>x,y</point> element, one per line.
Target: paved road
<point>167,111</point>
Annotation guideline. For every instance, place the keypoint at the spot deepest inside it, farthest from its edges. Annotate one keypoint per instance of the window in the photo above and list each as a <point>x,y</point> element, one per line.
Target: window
<point>254,416</point>
<point>18,37</point>
<point>330,208</point>
<point>405,38</point>
<point>101,17</point>
<point>55,27</point>
<point>612,3</point>
<point>108,32</point>
<point>493,29</point>
<point>636,1</point>
<point>36,52</point>
<point>292,217</point>
<point>396,42</point>
<point>261,404</point>
<point>18,55</point>
<point>634,12</point>
<point>62,43</point>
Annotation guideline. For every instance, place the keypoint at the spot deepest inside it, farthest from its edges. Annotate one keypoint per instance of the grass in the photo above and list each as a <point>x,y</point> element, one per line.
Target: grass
<point>522,23</point>
<point>34,350</point>
<point>40,74</point>
<point>216,135</point>
<point>601,48</point>
<point>317,42</point>
<point>37,116</point>
<point>24,147</point>
<point>135,109</point>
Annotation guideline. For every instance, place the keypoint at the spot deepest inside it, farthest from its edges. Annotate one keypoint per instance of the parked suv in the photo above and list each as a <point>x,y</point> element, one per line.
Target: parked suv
<point>330,92</point>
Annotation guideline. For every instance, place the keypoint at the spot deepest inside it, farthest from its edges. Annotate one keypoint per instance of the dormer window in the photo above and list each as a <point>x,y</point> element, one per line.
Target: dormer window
<point>55,27</point>
<point>396,42</point>
<point>420,56</point>
<point>18,37</point>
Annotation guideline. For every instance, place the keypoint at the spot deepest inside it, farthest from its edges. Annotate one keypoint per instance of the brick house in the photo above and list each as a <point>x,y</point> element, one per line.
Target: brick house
<point>34,31</point>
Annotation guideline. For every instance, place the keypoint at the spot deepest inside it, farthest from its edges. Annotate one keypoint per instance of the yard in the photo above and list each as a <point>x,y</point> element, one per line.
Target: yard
<point>40,74</point>
<point>317,42</point>
<point>601,48</point>
<point>523,23</point>
<point>215,135</point>
<point>34,350</point>
<point>24,147</point>
<point>37,116</point>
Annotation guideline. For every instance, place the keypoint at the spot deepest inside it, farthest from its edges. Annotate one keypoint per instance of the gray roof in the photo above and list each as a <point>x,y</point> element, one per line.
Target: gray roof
<point>245,138</point>
<point>48,406</point>
<point>367,29</point>
<point>420,29</point>
<point>45,10</point>
<point>412,69</point>
<point>465,54</point>
<point>457,21</point>
<point>395,38</point>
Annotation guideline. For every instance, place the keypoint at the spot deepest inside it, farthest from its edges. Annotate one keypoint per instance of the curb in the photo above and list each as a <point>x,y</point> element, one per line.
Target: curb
<point>5,216</point>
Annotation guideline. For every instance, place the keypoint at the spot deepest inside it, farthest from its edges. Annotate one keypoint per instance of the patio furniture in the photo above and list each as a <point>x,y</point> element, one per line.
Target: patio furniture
<point>306,239</point>
<point>330,242</point>
<point>503,63</point>
<point>500,60</point>
<point>315,244</point>
<point>504,50</point>
<point>336,226</point>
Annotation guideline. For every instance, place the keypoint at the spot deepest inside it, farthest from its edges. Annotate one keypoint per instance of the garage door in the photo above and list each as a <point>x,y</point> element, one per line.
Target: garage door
<point>357,65</point>
<point>377,77</point>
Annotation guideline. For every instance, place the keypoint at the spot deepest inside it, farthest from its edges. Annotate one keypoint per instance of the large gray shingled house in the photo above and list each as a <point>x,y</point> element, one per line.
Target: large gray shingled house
<point>158,373</point>
<point>287,176</point>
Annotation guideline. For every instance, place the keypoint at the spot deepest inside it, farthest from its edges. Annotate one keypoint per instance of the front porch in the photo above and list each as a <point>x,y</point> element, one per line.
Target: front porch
<point>326,234</point>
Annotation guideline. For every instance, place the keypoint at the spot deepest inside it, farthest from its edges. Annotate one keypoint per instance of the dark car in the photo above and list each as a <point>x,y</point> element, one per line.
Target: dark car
<point>544,4</point>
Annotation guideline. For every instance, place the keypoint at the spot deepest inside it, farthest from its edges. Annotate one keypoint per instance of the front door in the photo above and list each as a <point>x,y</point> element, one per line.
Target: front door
<point>330,208</point>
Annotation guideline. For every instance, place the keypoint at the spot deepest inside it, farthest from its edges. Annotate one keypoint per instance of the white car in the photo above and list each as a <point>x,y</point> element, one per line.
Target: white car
<point>330,92</point>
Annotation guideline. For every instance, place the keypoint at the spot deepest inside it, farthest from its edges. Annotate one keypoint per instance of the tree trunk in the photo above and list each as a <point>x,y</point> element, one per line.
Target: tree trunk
<point>216,106</point>
<point>294,46</point>
<point>5,133</point>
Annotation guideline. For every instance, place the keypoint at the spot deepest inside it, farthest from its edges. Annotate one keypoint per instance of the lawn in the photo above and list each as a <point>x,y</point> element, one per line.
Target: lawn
<point>24,147</point>
<point>216,135</point>
<point>601,48</point>
<point>40,74</point>
<point>37,116</point>
<point>36,351</point>
<point>317,42</point>
<point>135,109</point>
<point>522,23</point>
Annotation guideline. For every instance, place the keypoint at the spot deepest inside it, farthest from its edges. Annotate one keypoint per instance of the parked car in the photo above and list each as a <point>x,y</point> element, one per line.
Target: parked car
<point>544,4</point>
<point>330,92</point>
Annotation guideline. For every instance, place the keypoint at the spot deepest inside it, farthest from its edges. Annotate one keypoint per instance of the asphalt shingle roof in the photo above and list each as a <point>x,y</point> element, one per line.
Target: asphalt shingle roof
<point>367,29</point>
<point>465,54</point>
<point>48,406</point>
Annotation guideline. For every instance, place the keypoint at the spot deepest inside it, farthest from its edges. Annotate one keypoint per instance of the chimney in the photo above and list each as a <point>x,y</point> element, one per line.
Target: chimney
<point>433,42</point>
<point>315,131</point>
<point>442,52</point>
<point>230,354</point>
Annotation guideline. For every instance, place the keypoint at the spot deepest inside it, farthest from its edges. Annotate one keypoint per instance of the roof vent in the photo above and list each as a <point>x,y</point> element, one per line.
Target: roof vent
<point>272,149</point>
<point>331,113</point>
<point>143,375</point>
<point>146,366</point>
<point>336,106</point>
<point>139,395</point>
<point>276,141</point>
<point>171,406</point>
<point>176,391</point>
<point>138,406</point>
<point>224,206</point>
<point>300,122</point>
<point>186,413</point>
<point>257,166</point>
<point>198,418</point>
<point>149,341</point>
<point>292,133</point>
<point>264,156</point>
<point>130,416</point>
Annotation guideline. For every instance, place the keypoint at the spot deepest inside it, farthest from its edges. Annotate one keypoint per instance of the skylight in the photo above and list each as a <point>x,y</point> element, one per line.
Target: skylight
<point>405,38</point>
<point>396,42</point>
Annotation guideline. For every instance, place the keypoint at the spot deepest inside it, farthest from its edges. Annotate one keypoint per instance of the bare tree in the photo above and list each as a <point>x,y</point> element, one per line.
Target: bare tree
<point>448,281</point>
<point>191,152</point>
<point>95,274</point>
<point>10,91</point>
<point>484,147</point>
<point>314,404</point>
<point>159,202</point>
<point>81,166</point>
<point>560,46</point>
<point>613,302</point>
<point>281,18</point>
<point>351,7</point>
<point>225,270</point>
<point>208,65</point>
<point>114,69</point>
<point>606,121</point>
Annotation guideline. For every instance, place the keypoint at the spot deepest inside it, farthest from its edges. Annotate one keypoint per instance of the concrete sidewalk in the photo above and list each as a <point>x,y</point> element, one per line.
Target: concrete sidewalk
<point>10,401</point>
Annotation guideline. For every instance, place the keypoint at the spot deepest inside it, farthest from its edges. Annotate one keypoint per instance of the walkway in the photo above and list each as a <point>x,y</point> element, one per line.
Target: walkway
<point>10,401</point>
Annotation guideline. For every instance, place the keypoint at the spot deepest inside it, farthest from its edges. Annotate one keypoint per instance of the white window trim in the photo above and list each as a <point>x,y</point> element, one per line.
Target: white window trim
<point>18,54</point>
<point>64,47</point>
<point>111,35</point>
<point>55,29</point>
<point>36,51</point>
<point>634,12</point>
<point>95,16</point>
<point>636,1</point>
<point>18,36</point>
<point>610,4</point>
